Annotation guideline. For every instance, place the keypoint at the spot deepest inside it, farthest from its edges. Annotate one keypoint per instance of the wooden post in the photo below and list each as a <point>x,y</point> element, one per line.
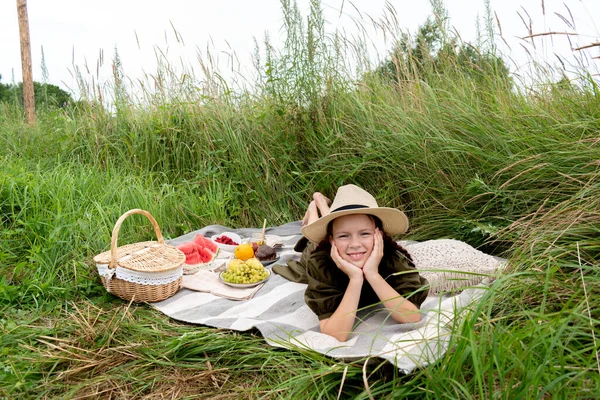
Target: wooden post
<point>28,99</point>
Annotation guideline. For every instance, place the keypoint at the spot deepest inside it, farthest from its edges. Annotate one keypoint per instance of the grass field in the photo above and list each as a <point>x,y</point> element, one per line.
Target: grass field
<point>512,170</point>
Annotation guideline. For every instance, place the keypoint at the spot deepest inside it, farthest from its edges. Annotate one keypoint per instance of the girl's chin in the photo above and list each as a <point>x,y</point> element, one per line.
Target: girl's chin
<point>358,264</point>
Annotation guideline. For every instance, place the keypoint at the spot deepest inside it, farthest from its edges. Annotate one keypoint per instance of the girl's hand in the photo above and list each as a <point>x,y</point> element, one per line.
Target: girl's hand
<point>371,267</point>
<point>349,269</point>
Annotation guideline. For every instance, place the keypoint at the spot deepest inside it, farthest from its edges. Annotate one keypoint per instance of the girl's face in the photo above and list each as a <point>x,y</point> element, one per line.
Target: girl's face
<point>353,235</point>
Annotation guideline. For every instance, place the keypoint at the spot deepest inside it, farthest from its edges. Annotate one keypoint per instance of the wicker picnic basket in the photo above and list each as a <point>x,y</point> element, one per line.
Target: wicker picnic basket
<point>142,272</point>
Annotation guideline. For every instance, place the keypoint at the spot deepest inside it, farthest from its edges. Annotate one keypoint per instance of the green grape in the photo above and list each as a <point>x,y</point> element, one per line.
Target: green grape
<point>250,271</point>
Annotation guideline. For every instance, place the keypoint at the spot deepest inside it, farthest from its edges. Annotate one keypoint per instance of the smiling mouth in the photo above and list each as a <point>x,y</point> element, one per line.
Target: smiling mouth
<point>356,256</point>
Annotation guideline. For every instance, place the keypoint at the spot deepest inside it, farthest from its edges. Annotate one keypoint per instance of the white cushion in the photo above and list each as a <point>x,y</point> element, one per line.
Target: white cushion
<point>451,265</point>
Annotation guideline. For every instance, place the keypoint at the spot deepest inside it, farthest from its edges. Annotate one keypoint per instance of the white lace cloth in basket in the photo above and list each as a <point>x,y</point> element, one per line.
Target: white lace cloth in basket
<point>144,278</point>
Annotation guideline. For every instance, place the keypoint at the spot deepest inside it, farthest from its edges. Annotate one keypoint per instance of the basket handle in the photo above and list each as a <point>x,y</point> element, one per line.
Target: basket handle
<point>115,233</point>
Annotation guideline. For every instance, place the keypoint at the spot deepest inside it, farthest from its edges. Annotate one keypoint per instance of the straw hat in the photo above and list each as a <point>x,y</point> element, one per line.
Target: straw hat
<point>350,199</point>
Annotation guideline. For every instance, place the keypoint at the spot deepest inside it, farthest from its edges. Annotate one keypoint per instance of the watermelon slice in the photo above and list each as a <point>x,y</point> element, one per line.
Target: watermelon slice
<point>203,242</point>
<point>193,258</point>
<point>205,255</point>
<point>199,251</point>
<point>190,249</point>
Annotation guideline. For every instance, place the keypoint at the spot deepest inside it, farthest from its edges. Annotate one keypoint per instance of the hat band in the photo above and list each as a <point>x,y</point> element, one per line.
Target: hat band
<point>349,207</point>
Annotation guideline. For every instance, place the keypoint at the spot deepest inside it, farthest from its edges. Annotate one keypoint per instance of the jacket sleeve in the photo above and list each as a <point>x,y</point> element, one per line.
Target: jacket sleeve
<point>324,293</point>
<point>405,279</point>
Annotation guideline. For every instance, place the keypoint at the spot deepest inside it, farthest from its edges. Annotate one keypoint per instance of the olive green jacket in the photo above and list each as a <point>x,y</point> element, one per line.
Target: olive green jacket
<point>327,283</point>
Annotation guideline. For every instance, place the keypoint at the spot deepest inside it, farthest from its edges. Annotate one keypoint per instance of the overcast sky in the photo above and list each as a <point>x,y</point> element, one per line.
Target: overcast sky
<point>76,32</point>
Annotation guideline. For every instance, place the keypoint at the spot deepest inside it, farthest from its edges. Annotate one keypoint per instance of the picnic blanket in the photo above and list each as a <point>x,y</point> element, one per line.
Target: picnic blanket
<point>279,312</point>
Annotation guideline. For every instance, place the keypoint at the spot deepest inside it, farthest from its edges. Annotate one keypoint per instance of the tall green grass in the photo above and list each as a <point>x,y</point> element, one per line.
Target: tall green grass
<point>510,170</point>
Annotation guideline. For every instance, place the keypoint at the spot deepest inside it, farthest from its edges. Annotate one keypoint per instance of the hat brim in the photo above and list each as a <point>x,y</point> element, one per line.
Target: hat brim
<point>394,221</point>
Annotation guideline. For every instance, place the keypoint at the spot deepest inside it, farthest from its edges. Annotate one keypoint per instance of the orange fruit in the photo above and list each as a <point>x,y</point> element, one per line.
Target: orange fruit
<point>244,251</point>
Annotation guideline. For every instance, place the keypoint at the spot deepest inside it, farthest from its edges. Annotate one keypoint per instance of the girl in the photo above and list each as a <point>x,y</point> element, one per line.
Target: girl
<point>352,262</point>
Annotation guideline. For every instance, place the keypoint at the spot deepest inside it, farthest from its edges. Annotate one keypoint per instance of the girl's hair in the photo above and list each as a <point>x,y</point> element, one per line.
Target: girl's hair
<point>389,244</point>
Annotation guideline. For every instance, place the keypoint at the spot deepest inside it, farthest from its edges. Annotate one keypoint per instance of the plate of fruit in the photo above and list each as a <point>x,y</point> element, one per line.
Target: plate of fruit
<point>244,273</point>
<point>200,253</point>
<point>227,241</point>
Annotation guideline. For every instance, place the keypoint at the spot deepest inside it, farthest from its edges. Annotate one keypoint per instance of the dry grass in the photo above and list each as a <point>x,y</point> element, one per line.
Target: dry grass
<point>90,358</point>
